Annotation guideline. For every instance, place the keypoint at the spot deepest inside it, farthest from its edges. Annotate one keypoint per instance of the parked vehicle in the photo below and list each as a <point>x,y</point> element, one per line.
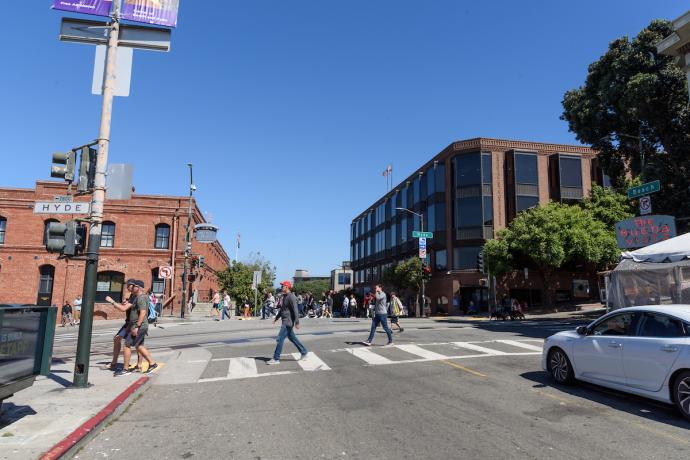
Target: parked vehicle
<point>639,350</point>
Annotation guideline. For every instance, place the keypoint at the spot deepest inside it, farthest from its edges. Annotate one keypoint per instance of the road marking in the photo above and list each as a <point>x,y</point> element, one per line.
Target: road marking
<point>421,352</point>
<point>311,362</point>
<point>466,369</point>
<point>240,368</point>
<point>266,374</point>
<point>526,346</point>
<point>368,356</point>
<point>474,347</point>
<point>563,401</point>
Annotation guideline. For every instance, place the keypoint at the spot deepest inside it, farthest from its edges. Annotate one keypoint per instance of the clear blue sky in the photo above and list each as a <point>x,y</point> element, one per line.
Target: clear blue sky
<point>291,109</point>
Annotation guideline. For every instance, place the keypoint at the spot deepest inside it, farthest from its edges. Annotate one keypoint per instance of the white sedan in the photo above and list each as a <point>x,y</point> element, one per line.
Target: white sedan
<point>640,350</point>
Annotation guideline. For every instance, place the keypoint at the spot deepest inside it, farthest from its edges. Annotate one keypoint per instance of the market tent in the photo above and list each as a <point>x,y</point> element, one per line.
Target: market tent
<point>657,274</point>
<point>671,250</point>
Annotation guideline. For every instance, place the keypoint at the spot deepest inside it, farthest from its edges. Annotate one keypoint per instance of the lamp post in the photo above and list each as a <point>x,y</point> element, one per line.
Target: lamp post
<point>421,228</point>
<point>187,243</point>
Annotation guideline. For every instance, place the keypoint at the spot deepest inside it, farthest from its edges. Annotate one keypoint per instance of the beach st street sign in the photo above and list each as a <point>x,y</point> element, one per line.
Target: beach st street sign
<point>62,208</point>
<point>644,189</point>
<point>416,234</point>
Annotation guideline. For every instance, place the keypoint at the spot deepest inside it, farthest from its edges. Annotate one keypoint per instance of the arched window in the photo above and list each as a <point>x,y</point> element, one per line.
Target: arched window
<point>45,285</point>
<point>162,236</point>
<point>157,283</point>
<point>3,229</point>
<point>45,229</point>
<point>110,284</point>
<point>107,235</point>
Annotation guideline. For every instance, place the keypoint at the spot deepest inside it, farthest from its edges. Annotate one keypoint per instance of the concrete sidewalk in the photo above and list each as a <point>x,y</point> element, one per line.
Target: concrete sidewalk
<point>36,419</point>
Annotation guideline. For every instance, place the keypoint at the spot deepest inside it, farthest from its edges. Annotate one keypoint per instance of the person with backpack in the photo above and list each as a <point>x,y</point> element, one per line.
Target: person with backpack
<point>396,311</point>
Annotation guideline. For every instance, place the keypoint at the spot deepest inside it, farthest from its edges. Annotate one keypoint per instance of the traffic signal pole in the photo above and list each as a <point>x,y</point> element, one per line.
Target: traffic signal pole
<point>81,367</point>
<point>187,247</point>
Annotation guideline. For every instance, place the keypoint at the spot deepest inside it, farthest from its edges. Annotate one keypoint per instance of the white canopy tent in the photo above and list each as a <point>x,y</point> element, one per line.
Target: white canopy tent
<point>656,274</point>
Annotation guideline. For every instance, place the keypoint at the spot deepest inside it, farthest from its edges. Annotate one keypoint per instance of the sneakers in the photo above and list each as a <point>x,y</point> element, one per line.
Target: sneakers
<point>303,356</point>
<point>122,372</point>
<point>152,368</point>
<point>109,367</point>
<point>366,344</point>
<point>272,362</point>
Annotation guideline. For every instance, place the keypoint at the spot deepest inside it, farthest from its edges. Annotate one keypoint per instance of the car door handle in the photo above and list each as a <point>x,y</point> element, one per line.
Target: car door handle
<point>615,345</point>
<point>669,349</point>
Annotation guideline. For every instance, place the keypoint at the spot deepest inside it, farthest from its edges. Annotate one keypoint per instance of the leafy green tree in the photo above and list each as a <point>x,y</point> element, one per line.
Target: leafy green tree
<point>316,287</point>
<point>636,101</point>
<point>608,205</point>
<point>237,279</point>
<point>550,237</point>
<point>405,275</point>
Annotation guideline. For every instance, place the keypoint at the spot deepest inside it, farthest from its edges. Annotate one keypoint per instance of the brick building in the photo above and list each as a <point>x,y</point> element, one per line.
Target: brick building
<point>139,235</point>
<point>466,193</point>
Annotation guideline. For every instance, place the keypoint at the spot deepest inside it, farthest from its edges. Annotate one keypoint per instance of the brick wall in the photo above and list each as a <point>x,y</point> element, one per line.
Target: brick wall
<point>133,255</point>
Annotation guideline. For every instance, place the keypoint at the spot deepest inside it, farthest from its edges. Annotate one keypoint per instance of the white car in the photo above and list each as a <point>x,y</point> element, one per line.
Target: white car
<point>640,350</point>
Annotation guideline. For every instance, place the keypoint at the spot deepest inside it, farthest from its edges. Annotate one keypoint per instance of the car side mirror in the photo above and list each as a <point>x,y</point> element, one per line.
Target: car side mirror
<point>581,330</point>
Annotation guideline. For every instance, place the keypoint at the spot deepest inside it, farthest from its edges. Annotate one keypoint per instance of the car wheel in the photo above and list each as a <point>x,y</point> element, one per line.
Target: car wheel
<point>560,368</point>
<point>681,393</point>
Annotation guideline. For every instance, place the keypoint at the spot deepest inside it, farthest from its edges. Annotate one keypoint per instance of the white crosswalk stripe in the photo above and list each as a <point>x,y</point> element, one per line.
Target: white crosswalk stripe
<point>245,368</point>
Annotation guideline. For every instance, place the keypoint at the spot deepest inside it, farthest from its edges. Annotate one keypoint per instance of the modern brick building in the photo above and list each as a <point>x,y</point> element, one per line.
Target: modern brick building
<point>466,193</point>
<point>139,235</point>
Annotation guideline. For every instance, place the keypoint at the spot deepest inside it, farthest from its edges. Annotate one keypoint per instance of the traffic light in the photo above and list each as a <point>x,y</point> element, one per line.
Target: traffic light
<point>480,261</point>
<point>68,239</point>
<point>87,169</point>
<point>202,260</point>
<point>64,167</point>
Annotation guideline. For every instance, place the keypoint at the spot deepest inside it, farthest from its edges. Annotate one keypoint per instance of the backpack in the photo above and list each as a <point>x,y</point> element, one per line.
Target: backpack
<point>396,307</point>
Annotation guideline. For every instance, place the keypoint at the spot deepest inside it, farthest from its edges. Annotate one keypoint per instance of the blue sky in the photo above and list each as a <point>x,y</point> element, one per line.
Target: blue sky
<point>290,110</point>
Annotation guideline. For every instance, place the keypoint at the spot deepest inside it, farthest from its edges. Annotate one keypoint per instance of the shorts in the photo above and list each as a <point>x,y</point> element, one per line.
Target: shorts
<point>122,332</point>
<point>395,319</point>
<point>137,341</point>
<point>217,306</point>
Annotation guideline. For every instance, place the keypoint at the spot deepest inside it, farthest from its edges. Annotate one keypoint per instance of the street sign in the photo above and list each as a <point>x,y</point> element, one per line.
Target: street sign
<point>422,242</point>
<point>416,234</point>
<point>644,189</point>
<point>645,205</point>
<point>124,71</point>
<point>422,253</point>
<point>161,12</point>
<point>62,208</point>
<point>94,7</point>
<point>165,272</point>
<point>638,232</point>
<point>256,279</point>
<point>131,36</point>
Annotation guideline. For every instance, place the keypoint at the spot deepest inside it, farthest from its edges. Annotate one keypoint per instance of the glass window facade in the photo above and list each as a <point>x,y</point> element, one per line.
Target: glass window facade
<point>441,260</point>
<point>110,284</point>
<point>473,207</point>
<point>162,236</point>
<point>526,171</point>
<point>465,258</point>
<point>440,181</point>
<point>3,229</point>
<point>570,171</point>
<point>108,235</point>
<point>416,190</point>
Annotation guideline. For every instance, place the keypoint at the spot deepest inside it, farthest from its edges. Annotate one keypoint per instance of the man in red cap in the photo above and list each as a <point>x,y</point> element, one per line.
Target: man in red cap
<point>289,313</point>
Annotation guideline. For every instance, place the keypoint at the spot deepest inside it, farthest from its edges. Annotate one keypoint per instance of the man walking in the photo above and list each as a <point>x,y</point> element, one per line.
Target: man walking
<point>137,314</point>
<point>396,311</point>
<point>289,315</point>
<point>345,312</point>
<point>380,316</point>
<point>353,306</point>
<point>77,309</point>
<point>226,306</point>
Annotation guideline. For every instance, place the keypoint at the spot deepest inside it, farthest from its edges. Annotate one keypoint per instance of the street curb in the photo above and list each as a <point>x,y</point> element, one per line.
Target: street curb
<point>89,429</point>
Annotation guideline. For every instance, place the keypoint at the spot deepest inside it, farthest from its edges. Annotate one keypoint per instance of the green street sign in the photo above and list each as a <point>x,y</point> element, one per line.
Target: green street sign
<point>416,234</point>
<point>644,189</point>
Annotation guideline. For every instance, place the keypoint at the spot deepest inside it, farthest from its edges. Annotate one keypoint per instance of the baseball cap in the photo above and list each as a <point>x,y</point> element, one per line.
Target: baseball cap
<point>287,284</point>
<point>134,282</point>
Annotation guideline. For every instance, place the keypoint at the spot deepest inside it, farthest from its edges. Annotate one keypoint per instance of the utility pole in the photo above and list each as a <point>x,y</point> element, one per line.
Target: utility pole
<point>81,366</point>
<point>421,219</point>
<point>187,243</point>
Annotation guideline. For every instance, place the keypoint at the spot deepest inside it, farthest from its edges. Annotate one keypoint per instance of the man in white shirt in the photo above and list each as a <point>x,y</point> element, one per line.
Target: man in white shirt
<point>77,309</point>
<point>226,306</point>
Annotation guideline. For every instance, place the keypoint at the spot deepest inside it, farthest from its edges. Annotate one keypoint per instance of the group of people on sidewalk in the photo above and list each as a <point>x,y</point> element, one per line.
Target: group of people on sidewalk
<point>70,315</point>
<point>133,332</point>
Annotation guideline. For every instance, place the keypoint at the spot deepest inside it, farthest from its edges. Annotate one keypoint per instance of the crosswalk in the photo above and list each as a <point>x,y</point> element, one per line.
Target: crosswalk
<point>239,368</point>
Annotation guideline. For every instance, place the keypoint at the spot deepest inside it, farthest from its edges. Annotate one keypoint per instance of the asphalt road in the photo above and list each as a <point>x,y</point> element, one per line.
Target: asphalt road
<point>447,390</point>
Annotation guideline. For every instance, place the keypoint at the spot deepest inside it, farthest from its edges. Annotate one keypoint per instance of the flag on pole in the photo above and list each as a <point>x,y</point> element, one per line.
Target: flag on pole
<point>385,173</point>
<point>238,241</point>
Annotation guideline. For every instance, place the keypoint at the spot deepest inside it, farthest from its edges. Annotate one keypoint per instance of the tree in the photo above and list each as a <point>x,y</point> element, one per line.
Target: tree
<point>405,275</point>
<point>316,287</point>
<point>550,237</point>
<point>635,100</point>
<point>608,206</point>
<point>237,278</point>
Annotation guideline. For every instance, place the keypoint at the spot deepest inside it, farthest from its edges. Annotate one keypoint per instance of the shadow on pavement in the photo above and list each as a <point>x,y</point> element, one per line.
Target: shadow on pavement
<point>635,405</point>
<point>11,413</point>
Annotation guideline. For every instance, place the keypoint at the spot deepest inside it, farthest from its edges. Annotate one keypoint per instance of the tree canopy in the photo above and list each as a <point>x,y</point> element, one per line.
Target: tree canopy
<point>237,278</point>
<point>316,287</point>
<point>635,98</point>
<point>608,206</point>
<point>550,237</point>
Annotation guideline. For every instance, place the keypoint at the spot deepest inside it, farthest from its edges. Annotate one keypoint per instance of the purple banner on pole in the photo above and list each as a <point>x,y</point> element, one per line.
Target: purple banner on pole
<point>160,12</point>
<point>95,7</point>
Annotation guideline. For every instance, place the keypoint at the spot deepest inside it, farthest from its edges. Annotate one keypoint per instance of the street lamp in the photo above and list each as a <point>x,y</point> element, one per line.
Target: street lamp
<point>421,220</point>
<point>187,244</point>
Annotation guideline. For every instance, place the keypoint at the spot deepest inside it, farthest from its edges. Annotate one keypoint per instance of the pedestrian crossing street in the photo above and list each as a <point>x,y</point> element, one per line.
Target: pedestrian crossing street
<point>238,368</point>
